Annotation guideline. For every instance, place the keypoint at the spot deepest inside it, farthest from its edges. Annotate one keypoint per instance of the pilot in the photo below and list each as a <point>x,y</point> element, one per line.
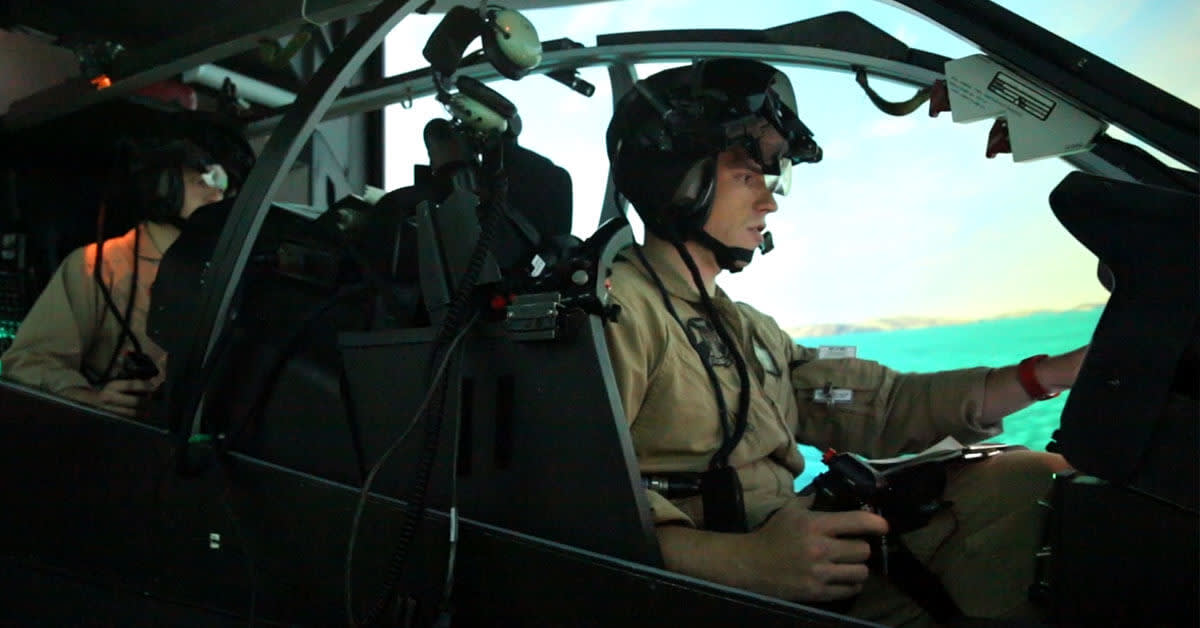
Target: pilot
<point>85,336</point>
<point>716,388</point>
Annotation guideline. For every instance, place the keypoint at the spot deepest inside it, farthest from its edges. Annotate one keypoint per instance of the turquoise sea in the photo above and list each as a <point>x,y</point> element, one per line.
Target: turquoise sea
<point>995,342</point>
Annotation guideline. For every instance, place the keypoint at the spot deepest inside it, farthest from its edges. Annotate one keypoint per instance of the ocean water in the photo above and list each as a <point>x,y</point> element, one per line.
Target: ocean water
<point>996,342</point>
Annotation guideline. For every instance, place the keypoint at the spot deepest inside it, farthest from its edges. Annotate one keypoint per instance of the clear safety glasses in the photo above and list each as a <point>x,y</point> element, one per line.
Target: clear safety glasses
<point>215,177</point>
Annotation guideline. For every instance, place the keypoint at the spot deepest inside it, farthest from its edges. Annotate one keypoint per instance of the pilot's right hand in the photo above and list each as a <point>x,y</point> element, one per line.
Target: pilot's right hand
<point>815,556</point>
<point>122,396</point>
<point>799,554</point>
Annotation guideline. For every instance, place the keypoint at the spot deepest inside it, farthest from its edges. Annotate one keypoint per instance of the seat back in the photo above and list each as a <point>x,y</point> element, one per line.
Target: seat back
<point>532,436</point>
<point>1132,417</point>
<point>542,443</point>
<point>539,193</point>
<point>536,427</point>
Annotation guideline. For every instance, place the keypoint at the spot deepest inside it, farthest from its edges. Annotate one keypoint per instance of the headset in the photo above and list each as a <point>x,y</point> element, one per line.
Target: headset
<point>667,131</point>
<point>148,172</point>
<point>155,177</point>
<point>510,44</point>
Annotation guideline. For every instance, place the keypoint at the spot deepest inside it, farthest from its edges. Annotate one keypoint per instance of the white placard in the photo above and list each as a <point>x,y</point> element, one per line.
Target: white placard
<point>833,352</point>
<point>836,395</point>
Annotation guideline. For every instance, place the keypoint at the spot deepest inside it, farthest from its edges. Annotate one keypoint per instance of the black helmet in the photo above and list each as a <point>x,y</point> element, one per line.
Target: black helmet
<point>667,131</point>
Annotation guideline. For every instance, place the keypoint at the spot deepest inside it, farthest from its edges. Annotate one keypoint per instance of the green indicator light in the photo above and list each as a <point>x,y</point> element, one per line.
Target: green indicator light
<point>8,331</point>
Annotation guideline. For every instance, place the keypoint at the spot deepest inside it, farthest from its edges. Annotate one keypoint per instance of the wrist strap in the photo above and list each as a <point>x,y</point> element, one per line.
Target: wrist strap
<point>1029,380</point>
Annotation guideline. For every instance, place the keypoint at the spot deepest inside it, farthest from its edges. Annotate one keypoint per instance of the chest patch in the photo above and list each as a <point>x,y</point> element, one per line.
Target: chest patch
<point>708,343</point>
<point>765,359</point>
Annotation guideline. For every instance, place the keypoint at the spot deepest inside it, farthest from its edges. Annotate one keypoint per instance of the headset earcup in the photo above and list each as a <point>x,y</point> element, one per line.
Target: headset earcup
<point>503,65</point>
<point>476,115</point>
<point>695,186</point>
<point>162,193</point>
<point>486,96</point>
<point>175,192</point>
<point>510,43</point>
<point>694,193</point>
<point>672,195</point>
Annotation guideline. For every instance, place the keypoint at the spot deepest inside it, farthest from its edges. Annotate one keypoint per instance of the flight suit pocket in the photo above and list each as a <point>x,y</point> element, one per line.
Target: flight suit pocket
<point>841,401</point>
<point>774,380</point>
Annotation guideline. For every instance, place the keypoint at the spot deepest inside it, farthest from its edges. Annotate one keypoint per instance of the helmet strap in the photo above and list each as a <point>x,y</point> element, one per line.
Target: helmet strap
<point>727,256</point>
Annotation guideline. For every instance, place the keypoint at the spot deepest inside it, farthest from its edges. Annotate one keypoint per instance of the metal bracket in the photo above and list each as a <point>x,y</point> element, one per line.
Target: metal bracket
<point>534,316</point>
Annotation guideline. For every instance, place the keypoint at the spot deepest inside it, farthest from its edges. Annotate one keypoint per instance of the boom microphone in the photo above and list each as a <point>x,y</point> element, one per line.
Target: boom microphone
<point>768,243</point>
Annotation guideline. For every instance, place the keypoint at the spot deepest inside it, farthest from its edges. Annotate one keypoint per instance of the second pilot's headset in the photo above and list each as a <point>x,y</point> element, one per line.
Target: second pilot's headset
<point>510,44</point>
<point>667,131</point>
<point>151,167</point>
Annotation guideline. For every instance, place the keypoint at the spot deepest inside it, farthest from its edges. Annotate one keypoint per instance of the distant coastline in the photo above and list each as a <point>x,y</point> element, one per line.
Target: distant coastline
<point>914,322</point>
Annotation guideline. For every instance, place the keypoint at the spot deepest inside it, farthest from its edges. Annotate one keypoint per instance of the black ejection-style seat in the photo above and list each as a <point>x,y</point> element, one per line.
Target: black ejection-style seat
<point>543,446</point>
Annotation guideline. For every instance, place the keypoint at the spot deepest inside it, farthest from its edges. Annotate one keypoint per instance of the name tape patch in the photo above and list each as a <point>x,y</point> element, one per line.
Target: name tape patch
<point>834,352</point>
<point>833,395</point>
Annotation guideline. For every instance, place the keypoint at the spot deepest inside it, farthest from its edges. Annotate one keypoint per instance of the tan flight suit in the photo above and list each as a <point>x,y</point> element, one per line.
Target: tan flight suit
<point>70,329</point>
<point>673,412</point>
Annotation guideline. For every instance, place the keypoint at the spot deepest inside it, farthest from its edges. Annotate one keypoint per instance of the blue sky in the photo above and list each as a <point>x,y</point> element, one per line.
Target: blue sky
<point>905,216</point>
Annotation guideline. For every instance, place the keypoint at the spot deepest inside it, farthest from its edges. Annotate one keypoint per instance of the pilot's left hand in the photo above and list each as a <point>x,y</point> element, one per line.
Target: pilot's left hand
<point>1058,373</point>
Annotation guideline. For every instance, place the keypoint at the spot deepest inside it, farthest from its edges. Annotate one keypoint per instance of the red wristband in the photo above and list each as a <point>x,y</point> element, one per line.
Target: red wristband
<point>1029,380</point>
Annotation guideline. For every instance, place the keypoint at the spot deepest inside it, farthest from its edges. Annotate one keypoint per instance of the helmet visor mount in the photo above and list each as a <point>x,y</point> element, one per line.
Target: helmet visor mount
<point>764,120</point>
<point>767,147</point>
<point>781,183</point>
<point>669,131</point>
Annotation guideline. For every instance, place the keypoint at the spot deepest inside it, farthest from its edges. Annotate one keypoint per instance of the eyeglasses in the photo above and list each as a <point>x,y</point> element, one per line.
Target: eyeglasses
<point>215,177</point>
<point>766,147</point>
<point>780,183</point>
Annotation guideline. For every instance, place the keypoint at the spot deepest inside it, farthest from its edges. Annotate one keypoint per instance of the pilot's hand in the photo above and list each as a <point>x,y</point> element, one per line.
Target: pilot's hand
<point>123,396</point>
<point>811,556</point>
<point>1059,372</point>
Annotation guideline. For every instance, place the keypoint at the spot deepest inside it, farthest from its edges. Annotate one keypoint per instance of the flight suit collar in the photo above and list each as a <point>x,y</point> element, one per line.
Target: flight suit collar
<point>676,283</point>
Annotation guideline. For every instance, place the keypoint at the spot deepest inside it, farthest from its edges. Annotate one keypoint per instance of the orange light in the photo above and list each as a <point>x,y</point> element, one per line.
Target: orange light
<point>102,81</point>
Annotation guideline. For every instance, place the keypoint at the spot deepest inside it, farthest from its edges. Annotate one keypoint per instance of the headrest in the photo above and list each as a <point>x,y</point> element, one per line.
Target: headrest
<point>539,193</point>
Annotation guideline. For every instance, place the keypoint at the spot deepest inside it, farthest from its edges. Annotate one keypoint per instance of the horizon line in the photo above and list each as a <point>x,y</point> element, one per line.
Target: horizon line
<point>902,322</point>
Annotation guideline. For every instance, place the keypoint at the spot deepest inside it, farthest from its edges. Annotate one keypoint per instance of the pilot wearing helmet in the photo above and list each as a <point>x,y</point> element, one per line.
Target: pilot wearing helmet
<point>715,390</point>
<point>85,336</point>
